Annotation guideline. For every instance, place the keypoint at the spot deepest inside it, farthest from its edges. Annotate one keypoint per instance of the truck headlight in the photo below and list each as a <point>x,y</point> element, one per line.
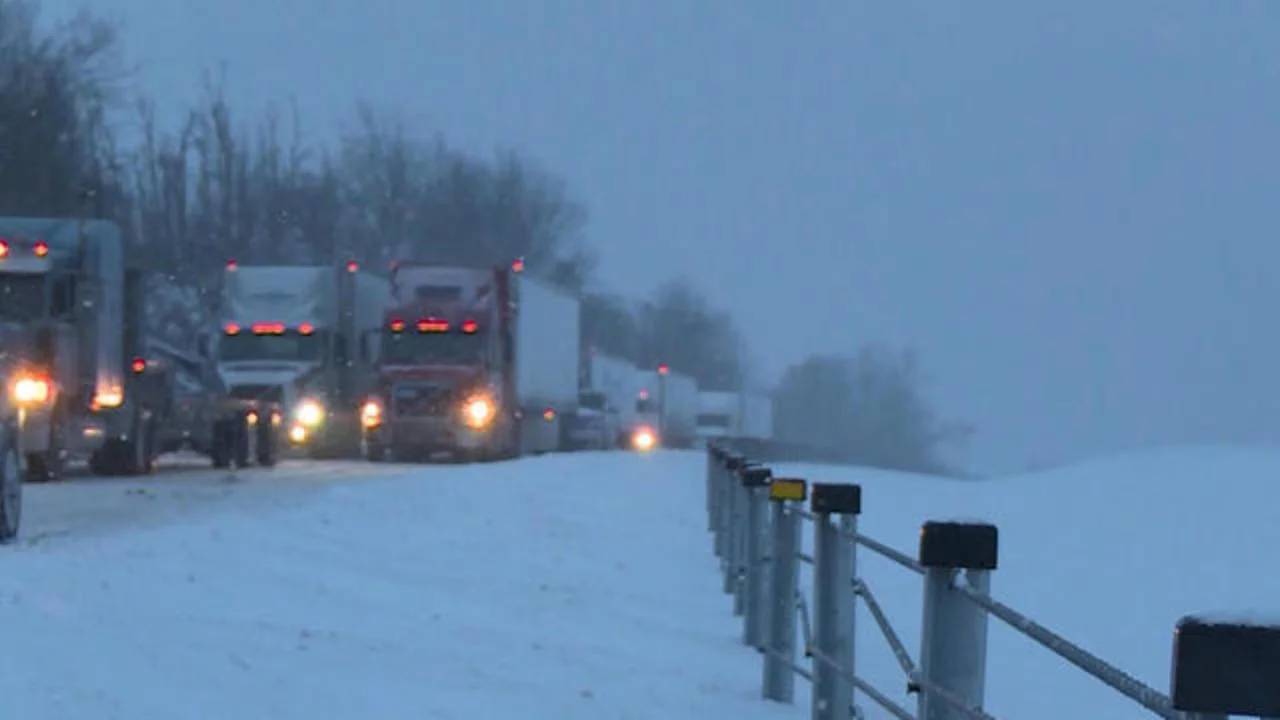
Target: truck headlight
<point>371,414</point>
<point>644,439</point>
<point>478,412</point>
<point>27,391</point>
<point>309,413</point>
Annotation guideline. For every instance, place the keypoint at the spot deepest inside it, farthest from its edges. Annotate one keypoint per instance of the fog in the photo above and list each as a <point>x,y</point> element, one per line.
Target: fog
<point>1067,208</point>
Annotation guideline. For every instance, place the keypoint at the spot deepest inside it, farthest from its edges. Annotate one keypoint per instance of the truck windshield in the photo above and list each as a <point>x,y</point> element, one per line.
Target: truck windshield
<point>289,347</point>
<point>414,348</point>
<point>22,296</point>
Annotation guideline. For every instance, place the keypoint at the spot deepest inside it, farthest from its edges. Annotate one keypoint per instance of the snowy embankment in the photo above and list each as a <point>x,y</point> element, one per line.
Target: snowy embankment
<point>555,588</point>
<point>1109,553</point>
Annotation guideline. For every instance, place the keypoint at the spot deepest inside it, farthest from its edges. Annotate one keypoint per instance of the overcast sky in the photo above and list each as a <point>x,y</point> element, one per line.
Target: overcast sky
<point>1069,208</point>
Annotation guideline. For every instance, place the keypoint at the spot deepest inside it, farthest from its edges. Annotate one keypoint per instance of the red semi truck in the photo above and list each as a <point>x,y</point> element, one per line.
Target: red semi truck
<point>477,364</point>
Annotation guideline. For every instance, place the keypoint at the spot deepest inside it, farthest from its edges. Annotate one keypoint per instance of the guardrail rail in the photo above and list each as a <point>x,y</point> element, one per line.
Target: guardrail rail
<point>1222,666</point>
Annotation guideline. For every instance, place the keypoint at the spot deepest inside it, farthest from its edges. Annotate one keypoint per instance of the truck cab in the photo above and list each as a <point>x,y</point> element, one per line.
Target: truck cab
<point>291,341</point>
<point>445,381</point>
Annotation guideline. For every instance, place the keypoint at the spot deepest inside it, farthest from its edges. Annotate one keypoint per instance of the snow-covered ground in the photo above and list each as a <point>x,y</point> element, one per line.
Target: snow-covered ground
<point>558,588</point>
<point>575,587</point>
<point>1109,553</point>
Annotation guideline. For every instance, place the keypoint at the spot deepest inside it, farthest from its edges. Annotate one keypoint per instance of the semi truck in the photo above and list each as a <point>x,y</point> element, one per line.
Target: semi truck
<point>291,343</point>
<point>666,406</point>
<point>476,364</point>
<point>76,318</point>
<point>606,400</point>
<point>735,414</point>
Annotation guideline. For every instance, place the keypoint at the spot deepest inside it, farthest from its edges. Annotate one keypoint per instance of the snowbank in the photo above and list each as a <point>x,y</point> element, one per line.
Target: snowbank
<point>1110,553</point>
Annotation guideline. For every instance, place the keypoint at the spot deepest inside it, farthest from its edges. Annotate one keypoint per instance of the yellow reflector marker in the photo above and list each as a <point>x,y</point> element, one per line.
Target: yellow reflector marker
<point>788,489</point>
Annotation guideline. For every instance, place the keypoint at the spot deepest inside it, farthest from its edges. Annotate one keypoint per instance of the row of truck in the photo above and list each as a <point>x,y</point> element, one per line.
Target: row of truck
<point>323,361</point>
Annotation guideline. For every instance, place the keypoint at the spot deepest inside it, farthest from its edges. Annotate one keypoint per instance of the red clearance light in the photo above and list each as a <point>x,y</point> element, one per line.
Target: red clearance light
<point>643,395</point>
<point>517,265</point>
<point>268,328</point>
<point>432,325</point>
<point>469,326</point>
<point>549,414</point>
<point>41,248</point>
<point>4,248</point>
<point>353,266</point>
<point>232,265</point>
<point>232,329</point>
<point>397,325</point>
<point>139,365</point>
<point>306,328</point>
<point>663,369</point>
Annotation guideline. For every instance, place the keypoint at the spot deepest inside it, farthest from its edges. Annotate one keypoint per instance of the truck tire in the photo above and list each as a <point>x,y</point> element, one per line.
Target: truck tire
<point>373,451</point>
<point>241,444</point>
<point>10,490</point>
<point>266,455</point>
<point>138,453</point>
<point>220,444</point>
<point>48,466</point>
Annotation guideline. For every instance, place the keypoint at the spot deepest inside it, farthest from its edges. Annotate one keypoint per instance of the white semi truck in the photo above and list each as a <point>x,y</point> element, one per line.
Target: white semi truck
<point>292,338</point>
<point>666,404</point>
<point>734,414</point>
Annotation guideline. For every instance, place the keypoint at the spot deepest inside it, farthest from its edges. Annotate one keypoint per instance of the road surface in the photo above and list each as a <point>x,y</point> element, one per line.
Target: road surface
<point>84,506</point>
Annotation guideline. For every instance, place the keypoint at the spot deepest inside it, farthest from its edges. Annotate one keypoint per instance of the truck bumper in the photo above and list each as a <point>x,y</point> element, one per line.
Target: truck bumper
<point>426,436</point>
<point>337,436</point>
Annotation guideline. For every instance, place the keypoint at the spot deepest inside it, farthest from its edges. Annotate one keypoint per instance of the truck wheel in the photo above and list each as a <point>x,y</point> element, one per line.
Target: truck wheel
<point>137,455</point>
<point>266,445</point>
<point>240,433</point>
<point>10,492</point>
<point>372,451</point>
<point>220,445</point>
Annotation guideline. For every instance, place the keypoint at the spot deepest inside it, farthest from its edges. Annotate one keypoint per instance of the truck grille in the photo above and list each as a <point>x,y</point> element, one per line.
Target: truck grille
<point>264,393</point>
<point>421,401</point>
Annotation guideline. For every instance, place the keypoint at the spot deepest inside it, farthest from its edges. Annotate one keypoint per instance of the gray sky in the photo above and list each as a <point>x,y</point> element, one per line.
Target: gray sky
<point>1067,207</point>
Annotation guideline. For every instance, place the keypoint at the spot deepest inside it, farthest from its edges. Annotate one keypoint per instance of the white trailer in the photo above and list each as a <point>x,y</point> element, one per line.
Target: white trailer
<point>718,414</point>
<point>547,332</point>
<point>668,402</point>
<point>756,416</point>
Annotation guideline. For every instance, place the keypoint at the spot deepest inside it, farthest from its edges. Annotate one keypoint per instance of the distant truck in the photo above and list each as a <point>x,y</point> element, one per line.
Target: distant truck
<point>666,406</point>
<point>292,341</point>
<point>734,414</point>
<point>606,401</point>
<point>77,320</point>
<point>478,364</point>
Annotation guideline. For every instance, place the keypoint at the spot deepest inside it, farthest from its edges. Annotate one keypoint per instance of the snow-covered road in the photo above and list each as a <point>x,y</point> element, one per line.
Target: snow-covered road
<point>84,506</point>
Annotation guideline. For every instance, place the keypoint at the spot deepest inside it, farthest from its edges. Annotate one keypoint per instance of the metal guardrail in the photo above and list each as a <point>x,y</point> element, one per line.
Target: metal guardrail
<point>1221,667</point>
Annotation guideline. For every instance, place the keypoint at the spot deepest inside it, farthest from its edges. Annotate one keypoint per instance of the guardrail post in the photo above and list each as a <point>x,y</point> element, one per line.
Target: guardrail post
<point>755,483</point>
<point>784,580</point>
<point>728,517</point>
<point>833,603</point>
<point>1224,667</point>
<point>740,537</point>
<point>953,640</point>
<point>713,466</point>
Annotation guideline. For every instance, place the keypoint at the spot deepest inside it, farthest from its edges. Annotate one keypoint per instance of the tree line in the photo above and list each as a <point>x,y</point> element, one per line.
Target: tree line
<point>218,186</point>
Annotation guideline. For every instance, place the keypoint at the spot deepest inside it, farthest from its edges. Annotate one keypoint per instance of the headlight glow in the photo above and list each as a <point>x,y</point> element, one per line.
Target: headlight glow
<point>644,439</point>
<point>310,413</point>
<point>27,391</point>
<point>478,412</point>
